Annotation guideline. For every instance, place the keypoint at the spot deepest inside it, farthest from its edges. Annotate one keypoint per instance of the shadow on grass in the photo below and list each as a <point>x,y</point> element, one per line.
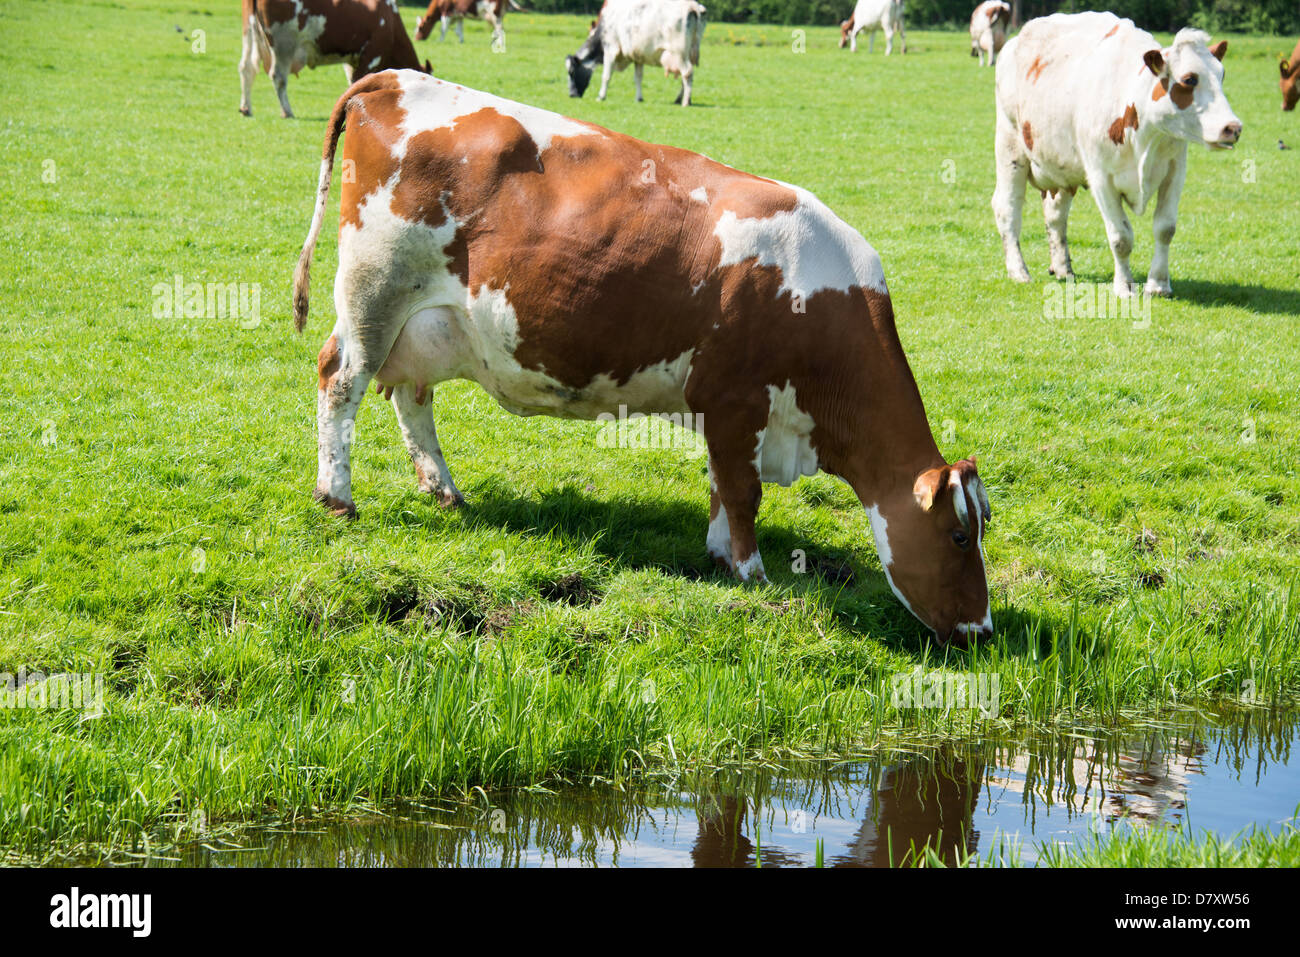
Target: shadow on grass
<point>668,536</point>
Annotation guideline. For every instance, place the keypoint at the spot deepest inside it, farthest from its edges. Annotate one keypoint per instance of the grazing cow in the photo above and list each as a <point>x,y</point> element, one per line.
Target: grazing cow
<point>988,29</point>
<point>1290,82</point>
<point>455,11</point>
<point>873,15</point>
<point>487,240</point>
<point>284,36</point>
<point>664,32</point>
<point>1090,100</point>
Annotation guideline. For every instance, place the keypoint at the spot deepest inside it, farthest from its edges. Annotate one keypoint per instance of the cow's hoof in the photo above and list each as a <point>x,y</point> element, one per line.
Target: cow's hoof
<point>1162,289</point>
<point>285,115</point>
<point>1062,273</point>
<point>336,507</point>
<point>449,498</point>
<point>245,112</point>
<point>1018,275</point>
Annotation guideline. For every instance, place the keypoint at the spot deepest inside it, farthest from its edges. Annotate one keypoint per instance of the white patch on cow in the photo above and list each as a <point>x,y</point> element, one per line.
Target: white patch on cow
<point>719,537</point>
<point>785,452</point>
<point>880,532</point>
<point>813,248</point>
<point>959,499</point>
<point>700,194</point>
<point>431,104</point>
<point>374,63</point>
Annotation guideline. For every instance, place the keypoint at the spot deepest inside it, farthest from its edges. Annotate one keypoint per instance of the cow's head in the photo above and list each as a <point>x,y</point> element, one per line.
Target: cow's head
<point>581,64</point>
<point>1290,84</point>
<point>845,29</point>
<point>424,25</point>
<point>931,544</point>
<point>1189,102</point>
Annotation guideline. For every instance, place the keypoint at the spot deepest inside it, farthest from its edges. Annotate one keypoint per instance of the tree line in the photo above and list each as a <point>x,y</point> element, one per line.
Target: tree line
<point>1160,16</point>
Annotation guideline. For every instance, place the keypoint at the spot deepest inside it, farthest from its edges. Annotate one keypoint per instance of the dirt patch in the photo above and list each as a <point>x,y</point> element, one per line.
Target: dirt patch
<point>1151,580</point>
<point>833,571</point>
<point>572,589</point>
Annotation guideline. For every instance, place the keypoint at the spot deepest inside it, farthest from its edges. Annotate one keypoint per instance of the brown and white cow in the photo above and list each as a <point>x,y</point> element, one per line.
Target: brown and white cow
<point>283,36</point>
<point>988,29</point>
<point>449,12</point>
<point>1090,100</point>
<point>873,15</point>
<point>1290,82</point>
<point>487,240</point>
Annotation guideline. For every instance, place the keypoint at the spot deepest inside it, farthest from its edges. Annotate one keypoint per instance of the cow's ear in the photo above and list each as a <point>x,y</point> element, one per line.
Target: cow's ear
<point>1286,69</point>
<point>1219,49</point>
<point>928,485</point>
<point>428,68</point>
<point>1155,61</point>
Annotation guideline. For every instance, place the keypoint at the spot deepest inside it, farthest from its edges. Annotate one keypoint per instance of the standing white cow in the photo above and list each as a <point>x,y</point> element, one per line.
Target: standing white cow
<point>988,29</point>
<point>662,32</point>
<point>1090,100</point>
<point>873,15</point>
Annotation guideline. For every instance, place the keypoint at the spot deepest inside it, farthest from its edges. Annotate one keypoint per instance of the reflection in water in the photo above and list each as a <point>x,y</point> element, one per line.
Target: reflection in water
<point>954,799</point>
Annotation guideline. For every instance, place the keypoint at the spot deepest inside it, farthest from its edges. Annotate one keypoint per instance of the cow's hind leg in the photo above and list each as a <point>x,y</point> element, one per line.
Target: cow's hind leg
<point>1056,210</point>
<point>414,405</point>
<point>247,69</point>
<point>637,70</point>
<point>734,436</point>
<point>1009,196</point>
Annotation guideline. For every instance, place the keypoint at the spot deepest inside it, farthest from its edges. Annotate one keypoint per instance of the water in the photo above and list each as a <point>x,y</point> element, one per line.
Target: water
<point>1221,774</point>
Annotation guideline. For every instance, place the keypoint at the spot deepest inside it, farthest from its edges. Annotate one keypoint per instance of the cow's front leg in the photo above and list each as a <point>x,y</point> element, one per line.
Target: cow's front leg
<point>889,40</point>
<point>637,70</point>
<point>902,38</point>
<point>606,72</point>
<point>688,80</point>
<point>414,407</point>
<point>1119,232</point>
<point>733,507</point>
<point>460,29</point>
<point>1056,210</point>
<point>1164,223</point>
<point>1009,196</point>
<point>446,22</point>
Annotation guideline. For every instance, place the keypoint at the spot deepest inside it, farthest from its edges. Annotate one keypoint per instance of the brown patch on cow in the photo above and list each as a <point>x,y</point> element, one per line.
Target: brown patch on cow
<point>1036,69</point>
<point>1129,121</point>
<point>1181,94</point>
<point>352,31</point>
<point>1027,132</point>
<point>1113,30</point>
<point>327,364</point>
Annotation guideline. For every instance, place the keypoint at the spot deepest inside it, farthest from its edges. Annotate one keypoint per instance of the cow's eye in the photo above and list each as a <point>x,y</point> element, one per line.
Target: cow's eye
<point>961,540</point>
<point>1189,80</point>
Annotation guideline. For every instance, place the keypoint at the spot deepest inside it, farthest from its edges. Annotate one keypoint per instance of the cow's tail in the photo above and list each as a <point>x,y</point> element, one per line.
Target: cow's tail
<point>302,275</point>
<point>694,31</point>
<point>253,22</point>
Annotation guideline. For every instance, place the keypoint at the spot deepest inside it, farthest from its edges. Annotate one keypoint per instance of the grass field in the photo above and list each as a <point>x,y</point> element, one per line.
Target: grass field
<point>157,526</point>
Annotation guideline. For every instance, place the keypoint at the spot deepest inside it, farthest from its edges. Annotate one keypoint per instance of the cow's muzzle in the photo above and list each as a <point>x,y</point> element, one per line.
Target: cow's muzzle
<point>1228,136</point>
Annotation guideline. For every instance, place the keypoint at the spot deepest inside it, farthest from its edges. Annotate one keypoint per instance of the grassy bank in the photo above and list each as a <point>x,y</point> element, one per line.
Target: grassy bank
<point>156,524</point>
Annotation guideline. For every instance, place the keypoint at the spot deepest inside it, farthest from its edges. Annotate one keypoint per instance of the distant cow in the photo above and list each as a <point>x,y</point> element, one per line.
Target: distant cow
<point>1091,100</point>
<point>455,11</point>
<point>487,240</point>
<point>1290,82</point>
<point>988,29</point>
<point>284,36</point>
<point>659,32</point>
<point>873,15</point>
